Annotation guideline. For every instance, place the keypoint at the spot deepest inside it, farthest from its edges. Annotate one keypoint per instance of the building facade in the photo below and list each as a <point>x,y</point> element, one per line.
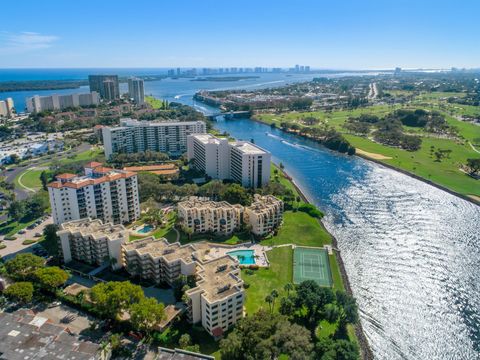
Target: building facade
<point>59,102</point>
<point>102,193</point>
<point>218,297</point>
<point>106,85</point>
<point>134,136</point>
<point>136,90</point>
<point>264,215</point>
<point>241,161</point>
<point>92,242</point>
<point>217,300</point>
<point>209,216</point>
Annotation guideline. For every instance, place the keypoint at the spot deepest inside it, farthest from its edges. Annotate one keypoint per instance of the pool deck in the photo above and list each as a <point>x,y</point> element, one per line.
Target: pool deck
<point>218,250</point>
<point>136,231</point>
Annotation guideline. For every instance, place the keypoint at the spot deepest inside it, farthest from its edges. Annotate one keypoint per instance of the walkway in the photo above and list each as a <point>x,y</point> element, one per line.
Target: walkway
<point>474,148</point>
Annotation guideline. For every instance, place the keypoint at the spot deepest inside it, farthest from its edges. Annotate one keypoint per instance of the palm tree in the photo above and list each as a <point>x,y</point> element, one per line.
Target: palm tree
<point>269,299</point>
<point>288,287</point>
<point>274,295</point>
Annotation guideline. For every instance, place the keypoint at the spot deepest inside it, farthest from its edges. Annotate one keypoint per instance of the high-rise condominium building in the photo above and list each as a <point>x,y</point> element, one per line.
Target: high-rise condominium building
<point>241,161</point>
<point>134,136</point>
<point>92,242</point>
<point>102,193</point>
<point>106,85</point>
<point>59,102</point>
<point>136,90</point>
<point>3,109</point>
<point>6,108</point>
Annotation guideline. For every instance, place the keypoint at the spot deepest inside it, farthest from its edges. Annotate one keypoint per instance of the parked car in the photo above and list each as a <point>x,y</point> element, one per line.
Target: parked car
<point>22,232</point>
<point>38,235</point>
<point>54,304</point>
<point>32,226</point>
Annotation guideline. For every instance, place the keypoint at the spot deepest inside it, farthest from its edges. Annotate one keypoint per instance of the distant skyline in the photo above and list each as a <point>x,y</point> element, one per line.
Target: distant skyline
<point>186,33</point>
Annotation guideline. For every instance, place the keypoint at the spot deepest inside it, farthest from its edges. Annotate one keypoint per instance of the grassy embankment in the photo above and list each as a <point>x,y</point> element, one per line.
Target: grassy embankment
<point>422,163</point>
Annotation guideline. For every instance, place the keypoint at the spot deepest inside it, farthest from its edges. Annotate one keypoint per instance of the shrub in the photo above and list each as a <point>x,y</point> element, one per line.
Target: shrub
<point>2,246</point>
<point>311,210</point>
<point>28,242</point>
<point>246,285</point>
<point>11,238</point>
<point>253,267</point>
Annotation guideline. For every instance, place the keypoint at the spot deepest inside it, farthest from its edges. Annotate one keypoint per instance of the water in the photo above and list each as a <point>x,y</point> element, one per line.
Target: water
<point>178,90</point>
<point>244,257</point>
<point>411,251</point>
<point>145,229</point>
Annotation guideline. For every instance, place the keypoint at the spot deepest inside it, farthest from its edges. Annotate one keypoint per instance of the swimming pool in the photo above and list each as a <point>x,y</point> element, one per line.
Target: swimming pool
<point>244,257</point>
<point>145,229</point>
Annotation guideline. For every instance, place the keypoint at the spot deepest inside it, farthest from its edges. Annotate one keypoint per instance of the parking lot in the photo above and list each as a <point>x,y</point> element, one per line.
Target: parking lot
<point>16,246</point>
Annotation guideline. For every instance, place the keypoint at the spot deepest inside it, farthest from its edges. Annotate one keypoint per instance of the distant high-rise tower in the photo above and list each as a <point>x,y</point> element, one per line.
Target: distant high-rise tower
<point>109,91</point>
<point>136,90</point>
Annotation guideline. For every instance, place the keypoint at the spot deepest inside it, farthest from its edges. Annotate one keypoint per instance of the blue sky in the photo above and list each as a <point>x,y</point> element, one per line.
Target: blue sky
<point>186,33</point>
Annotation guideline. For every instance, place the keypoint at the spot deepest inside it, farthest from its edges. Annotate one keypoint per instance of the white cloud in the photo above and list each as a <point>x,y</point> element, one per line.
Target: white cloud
<point>11,43</point>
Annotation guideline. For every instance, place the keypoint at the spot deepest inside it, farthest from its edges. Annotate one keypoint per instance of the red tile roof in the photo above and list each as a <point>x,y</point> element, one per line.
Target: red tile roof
<point>93,165</point>
<point>217,332</point>
<point>65,176</point>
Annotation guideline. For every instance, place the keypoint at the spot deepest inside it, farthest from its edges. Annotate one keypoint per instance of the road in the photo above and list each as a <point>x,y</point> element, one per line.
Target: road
<point>373,93</point>
<point>21,194</point>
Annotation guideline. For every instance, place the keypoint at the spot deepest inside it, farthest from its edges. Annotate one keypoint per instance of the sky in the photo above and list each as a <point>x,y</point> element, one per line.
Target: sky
<point>353,34</point>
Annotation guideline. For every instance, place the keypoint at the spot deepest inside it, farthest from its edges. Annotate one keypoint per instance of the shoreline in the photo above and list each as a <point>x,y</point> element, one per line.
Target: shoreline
<point>365,350</point>
<point>405,172</point>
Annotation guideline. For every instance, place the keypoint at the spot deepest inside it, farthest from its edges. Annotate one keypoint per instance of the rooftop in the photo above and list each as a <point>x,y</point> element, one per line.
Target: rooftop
<point>248,148</point>
<point>127,122</point>
<point>94,228</point>
<point>26,336</point>
<point>201,204</point>
<point>179,354</point>
<point>77,182</point>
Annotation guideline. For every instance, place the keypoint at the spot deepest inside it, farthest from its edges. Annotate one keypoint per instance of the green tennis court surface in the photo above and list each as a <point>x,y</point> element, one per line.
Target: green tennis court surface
<point>311,264</point>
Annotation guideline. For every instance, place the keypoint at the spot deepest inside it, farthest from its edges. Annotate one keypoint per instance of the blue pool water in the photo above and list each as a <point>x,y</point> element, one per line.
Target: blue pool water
<point>244,257</point>
<point>145,229</point>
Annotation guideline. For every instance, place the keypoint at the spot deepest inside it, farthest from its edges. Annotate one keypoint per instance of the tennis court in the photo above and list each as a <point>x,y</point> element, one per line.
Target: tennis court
<point>311,264</point>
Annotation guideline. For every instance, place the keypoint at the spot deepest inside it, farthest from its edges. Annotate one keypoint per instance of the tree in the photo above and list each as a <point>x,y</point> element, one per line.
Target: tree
<point>44,179</point>
<point>314,298</point>
<point>16,210</point>
<point>266,336</point>
<point>146,314</point>
<point>21,292</point>
<point>113,297</point>
<point>274,295</point>
<point>50,278</point>
<point>50,235</point>
<point>287,306</point>
<point>474,165</point>
<point>185,341</point>
<point>269,299</point>
<point>23,266</point>
<point>328,349</point>
<point>237,194</point>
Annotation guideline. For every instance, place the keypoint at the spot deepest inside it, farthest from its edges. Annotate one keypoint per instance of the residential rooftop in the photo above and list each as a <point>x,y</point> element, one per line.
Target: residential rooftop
<point>23,335</point>
<point>95,228</point>
<point>248,148</point>
<point>78,181</point>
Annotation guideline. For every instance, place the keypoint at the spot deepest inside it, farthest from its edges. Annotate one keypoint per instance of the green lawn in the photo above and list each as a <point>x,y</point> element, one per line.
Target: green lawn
<point>29,178</point>
<point>301,229</point>
<point>446,173</point>
<point>263,280</point>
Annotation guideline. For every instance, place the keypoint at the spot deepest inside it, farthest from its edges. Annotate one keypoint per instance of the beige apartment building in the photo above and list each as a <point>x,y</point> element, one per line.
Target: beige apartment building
<point>264,215</point>
<point>217,300</point>
<point>210,216</point>
<point>92,242</point>
<point>158,260</point>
